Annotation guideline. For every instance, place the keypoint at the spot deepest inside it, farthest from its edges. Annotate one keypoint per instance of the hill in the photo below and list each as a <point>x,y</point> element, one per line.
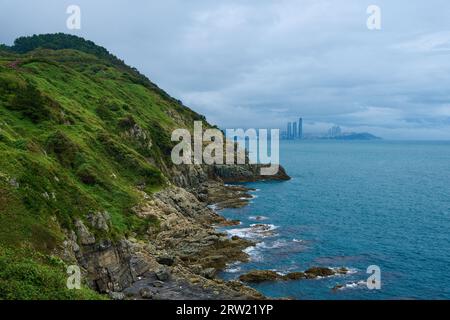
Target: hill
<point>85,172</point>
<point>357,136</point>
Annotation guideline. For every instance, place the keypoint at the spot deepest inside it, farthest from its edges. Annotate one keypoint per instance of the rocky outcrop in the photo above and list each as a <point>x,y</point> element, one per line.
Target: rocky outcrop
<point>257,276</point>
<point>184,249</point>
<point>246,173</point>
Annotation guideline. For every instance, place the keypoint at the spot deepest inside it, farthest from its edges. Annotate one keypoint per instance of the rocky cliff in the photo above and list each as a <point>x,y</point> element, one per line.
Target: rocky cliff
<point>86,179</point>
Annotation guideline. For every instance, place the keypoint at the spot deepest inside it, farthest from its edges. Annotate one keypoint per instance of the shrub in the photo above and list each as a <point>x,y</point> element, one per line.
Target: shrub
<point>127,122</point>
<point>30,103</point>
<point>87,175</point>
<point>65,150</point>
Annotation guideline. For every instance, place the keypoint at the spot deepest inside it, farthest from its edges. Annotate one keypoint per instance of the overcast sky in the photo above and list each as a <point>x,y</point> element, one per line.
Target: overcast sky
<point>261,63</point>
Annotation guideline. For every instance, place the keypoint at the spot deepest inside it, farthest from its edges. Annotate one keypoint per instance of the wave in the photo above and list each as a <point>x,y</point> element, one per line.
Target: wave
<point>351,285</point>
<point>258,218</point>
<point>254,253</point>
<point>233,267</point>
<point>256,231</point>
<point>349,270</point>
<point>213,207</point>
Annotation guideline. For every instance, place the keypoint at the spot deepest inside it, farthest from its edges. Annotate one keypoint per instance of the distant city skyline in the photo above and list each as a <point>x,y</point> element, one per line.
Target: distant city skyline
<point>294,130</point>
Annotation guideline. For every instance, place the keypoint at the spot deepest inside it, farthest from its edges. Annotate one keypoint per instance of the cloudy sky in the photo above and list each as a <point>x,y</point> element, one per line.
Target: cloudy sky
<point>261,63</point>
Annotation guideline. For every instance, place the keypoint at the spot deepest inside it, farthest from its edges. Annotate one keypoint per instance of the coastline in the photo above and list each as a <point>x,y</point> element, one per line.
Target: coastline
<point>181,257</point>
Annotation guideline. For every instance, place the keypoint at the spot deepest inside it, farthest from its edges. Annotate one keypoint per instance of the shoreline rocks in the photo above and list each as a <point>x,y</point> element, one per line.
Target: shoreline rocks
<point>181,256</point>
<point>258,276</point>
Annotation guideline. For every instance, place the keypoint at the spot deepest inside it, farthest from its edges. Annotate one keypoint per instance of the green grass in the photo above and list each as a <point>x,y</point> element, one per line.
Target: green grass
<point>27,275</point>
<point>65,152</point>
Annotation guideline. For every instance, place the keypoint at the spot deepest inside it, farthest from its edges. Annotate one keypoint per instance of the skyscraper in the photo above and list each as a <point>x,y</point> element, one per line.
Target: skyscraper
<point>289,130</point>
<point>334,131</point>
<point>300,128</point>
<point>294,130</point>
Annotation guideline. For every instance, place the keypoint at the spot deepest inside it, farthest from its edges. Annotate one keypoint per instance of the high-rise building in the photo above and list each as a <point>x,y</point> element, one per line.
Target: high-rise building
<point>334,131</point>
<point>294,130</point>
<point>289,130</point>
<point>300,128</point>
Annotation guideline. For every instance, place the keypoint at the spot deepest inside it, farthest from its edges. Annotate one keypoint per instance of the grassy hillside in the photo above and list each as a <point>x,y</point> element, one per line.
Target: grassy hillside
<point>80,132</point>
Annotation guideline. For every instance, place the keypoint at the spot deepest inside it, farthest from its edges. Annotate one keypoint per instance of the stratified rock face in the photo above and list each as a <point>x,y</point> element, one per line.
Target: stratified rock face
<point>99,220</point>
<point>191,177</point>
<point>185,246</point>
<point>246,173</point>
<point>83,233</point>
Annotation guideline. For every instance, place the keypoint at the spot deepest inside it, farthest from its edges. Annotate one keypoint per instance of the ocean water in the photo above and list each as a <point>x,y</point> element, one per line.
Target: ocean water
<point>353,204</point>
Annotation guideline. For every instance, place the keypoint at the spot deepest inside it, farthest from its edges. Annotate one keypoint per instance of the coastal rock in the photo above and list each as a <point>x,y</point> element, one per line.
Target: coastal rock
<point>158,284</point>
<point>316,272</point>
<point>338,287</point>
<point>83,233</point>
<point>99,220</point>
<point>166,260</point>
<point>162,274</point>
<point>209,273</point>
<point>295,276</point>
<point>146,293</point>
<point>257,276</point>
<point>117,295</point>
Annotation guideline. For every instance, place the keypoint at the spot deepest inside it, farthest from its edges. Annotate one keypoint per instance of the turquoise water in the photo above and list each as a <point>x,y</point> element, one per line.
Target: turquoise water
<point>353,204</point>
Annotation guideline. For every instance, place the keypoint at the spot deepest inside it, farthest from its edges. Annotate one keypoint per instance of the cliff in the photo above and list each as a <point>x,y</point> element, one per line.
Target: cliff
<point>86,179</point>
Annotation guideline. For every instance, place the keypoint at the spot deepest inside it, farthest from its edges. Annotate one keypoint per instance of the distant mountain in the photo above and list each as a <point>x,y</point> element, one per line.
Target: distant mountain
<point>357,136</point>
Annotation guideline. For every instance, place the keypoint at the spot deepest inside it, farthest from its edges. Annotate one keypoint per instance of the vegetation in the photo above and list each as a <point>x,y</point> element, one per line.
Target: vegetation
<point>80,132</point>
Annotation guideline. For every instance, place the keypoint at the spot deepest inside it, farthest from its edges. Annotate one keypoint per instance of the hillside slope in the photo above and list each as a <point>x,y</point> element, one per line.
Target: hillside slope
<point>84,142</point>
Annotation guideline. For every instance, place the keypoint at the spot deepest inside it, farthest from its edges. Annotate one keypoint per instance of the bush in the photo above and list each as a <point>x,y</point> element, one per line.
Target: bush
<point>30,103</point>
<point>87,175</point>
<point>36,278</point>
<point>65,150</point>
<point>127,122</point>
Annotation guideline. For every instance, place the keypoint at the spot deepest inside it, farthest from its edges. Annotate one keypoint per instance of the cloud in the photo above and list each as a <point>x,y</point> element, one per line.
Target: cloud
<point>263,63</point>
<point>435,42</point>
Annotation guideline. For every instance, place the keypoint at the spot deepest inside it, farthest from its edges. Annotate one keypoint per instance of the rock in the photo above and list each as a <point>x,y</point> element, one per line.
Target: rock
<point>315,272</point>
<point>146,293</point>
<point>295,276</point>
<point>202,197</point>
<point>162,274</point>
<point>209,273</point>
<point>13,182</point>
<point>138,267</point>
<point>116,295</point>
<point>194,280</point>
<point>166,260</point>
<point>158,284</point>
<point>99,220</point>
<point>338,287</point>
<point>84,235</point>
<point>342,271</point>
<point>230,223</point>
<point>257,276</point>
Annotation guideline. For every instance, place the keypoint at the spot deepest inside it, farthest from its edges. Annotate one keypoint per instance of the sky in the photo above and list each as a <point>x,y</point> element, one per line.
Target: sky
<point>262,63</point>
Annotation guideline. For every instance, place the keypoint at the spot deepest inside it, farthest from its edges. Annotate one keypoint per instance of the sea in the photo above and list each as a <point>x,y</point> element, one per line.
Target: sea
<point>352,204</point>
